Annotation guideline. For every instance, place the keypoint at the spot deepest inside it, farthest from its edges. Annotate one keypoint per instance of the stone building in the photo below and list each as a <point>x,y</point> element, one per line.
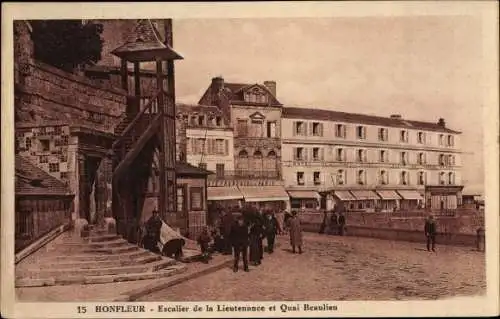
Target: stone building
<point>369,162</point>
<point>254,113</point>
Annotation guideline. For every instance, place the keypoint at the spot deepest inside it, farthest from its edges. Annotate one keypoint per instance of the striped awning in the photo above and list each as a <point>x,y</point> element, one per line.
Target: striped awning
<point>344,195</point>
<point>410,195</point>
<point>388,195</point>
<point>304,194</point>
<point>264,193</point>
<point>223,193</point>
<point>365,195</point>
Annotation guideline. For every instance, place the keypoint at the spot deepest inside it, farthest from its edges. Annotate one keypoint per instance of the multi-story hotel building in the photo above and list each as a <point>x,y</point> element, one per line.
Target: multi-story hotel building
<point>368,162</point>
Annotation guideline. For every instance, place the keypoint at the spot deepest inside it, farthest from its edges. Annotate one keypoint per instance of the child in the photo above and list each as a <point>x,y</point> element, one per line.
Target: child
<point>204,240</point>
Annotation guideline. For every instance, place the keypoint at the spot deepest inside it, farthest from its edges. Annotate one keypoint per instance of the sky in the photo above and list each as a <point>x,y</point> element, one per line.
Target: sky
<point>422,67</point>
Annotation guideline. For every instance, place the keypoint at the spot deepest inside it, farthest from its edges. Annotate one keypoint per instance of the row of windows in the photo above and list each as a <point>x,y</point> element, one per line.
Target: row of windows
<point>256,128</point>
<point>340,178</point>
<point>317,154</point>
<point>300,128</point>
<point>203,120</point>
<point>208,146</point>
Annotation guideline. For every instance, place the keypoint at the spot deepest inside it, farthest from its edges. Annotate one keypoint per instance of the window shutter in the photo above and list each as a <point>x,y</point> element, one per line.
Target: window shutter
<point>322,154</point>
<point>345,131</point>
<point>321,129</point>
<point>226,147</point>
<point>294,128</point>
<point>306,150</point>
<point>310,129</point>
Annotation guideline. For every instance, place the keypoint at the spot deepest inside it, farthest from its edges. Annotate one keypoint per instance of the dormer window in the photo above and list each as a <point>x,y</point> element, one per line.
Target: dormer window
<point>256,95</point>
<point>218,121</point>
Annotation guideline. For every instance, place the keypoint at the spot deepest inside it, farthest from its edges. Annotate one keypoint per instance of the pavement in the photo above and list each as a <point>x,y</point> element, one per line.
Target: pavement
<point>343,268</point>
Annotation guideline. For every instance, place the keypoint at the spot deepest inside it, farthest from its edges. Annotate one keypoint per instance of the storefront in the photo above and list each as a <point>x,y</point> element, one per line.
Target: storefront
<point>411,199</point>
<point>304,199</point>
<point>343,200</point>
<point>223,198</point>
<point>265,197</point>
<point>443,197</point>
<point>389,200</point>
<point>365,200</point>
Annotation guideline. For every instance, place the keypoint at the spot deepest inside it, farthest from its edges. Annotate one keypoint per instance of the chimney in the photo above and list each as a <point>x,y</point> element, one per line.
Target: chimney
<point>396,116</point>
<point>217,84</point>
<point>441,122</point>
<point>271,86</point>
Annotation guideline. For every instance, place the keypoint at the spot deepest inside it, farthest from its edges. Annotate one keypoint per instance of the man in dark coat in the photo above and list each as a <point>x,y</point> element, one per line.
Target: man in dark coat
<point>430,230</point>
<point>227,223</point>
<point>271,229</point>
<point>152,237</point>
<point>341,220</point>
<point>255,242</point>
<point>239,241</point>
<point>334,223</point>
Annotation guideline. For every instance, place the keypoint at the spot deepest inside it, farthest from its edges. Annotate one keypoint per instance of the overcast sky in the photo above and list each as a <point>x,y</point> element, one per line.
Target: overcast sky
<point>423,68</point>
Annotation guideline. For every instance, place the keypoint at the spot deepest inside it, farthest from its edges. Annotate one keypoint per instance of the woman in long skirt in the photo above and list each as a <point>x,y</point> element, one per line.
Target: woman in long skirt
<point>256,246</point>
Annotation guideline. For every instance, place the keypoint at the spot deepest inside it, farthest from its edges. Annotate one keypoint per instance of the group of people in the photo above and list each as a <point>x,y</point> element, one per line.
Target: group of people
<point>336,226</point>
<point>244,234</point>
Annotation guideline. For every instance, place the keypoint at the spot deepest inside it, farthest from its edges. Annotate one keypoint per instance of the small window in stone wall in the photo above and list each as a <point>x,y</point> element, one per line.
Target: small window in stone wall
<point>64,175</point>
<point>63,157</point>
<point>44,159</point>
<point>28,143</point>
<point>53,167</point>
<point>196,196</point>
<point>44,145</point>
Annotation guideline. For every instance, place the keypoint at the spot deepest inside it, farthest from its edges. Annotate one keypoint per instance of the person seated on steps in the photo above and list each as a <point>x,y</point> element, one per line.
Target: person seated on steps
<point>173,248</point>
<point>204,241</point>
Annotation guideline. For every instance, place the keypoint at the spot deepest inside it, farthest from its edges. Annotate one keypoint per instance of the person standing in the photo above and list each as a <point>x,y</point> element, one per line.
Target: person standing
<point>334,223</point>
<point>430,230</point>
<point>227,222</point>
<point>239,241</point>
<point>255,238</point>
<point>204,241</point>
<point>295,232</point>
<point>341,223</point>
<point>271,229</point>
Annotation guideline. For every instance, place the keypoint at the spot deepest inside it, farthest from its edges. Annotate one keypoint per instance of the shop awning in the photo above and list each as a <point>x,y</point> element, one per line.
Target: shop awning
<point>410,195</point>
<point>304,194</point>
<point>365,195</point>
<point>223,193</point>
<point>264,193</point>
<point>344,195</point>
<point>388,195</point>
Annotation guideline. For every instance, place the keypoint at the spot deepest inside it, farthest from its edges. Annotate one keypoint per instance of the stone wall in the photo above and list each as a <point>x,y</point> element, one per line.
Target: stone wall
<point>459,228</point>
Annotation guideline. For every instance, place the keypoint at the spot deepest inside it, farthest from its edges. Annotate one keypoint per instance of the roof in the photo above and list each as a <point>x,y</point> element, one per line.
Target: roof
<point>31,180</point>
<point>327,115</point>
<point>183,168</point>
<point>190,108</point>
<point>234,93</point>
<point>144,44</point>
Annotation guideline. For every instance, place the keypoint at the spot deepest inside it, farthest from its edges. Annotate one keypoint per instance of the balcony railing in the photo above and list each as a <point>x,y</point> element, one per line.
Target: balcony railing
<point>245,174</point>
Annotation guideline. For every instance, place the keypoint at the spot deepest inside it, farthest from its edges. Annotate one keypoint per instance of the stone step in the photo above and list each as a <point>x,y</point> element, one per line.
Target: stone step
<point>130,255</point>
<point>52,281</point>
<point>80,273</point>
<point>111,250</point>
<point>103,263</point>
<point>104,244</point>
<point>103,238</point>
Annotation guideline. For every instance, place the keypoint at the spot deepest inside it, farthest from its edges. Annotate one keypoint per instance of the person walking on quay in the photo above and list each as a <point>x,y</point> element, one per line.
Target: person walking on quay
<point>239,241</point>
<point>227,222</point>
<point>334,223</point>
<point>256,247</point>
<point>295,232</point>
<point>271,229</point>
<point>430,230</point>
<point>341,223</point>
<point>153,228</point>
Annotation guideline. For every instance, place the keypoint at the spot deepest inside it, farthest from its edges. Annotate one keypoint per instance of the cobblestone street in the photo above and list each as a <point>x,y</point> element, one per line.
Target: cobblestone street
<point>343,268</point>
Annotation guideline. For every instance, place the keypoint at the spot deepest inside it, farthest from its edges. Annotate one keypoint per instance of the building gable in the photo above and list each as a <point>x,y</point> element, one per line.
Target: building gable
<point>257,116</point>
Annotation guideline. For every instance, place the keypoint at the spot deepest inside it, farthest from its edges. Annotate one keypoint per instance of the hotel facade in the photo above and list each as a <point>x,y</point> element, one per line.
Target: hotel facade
<point>370,163</point>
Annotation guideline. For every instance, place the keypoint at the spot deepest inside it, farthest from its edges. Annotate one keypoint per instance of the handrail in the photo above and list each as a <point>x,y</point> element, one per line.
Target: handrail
<point>137,118</point>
